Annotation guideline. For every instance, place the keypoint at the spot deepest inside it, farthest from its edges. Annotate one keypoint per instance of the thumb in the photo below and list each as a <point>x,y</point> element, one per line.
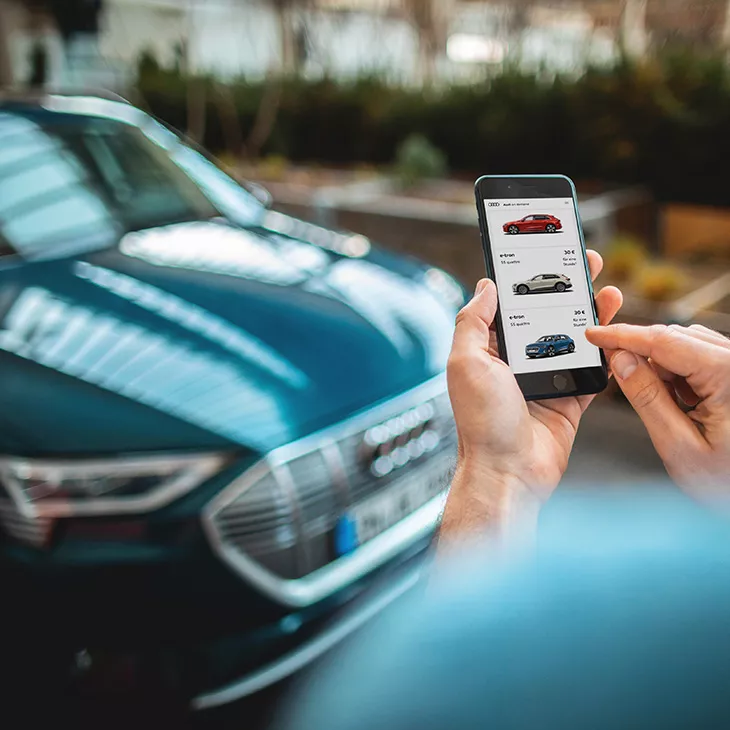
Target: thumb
<point>669,428</point>
<point>475,318</point>
<point>484,302</point>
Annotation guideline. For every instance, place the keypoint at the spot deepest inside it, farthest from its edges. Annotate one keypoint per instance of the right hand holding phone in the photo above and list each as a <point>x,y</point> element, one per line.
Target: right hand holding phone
<point>505,444</point>
<point>654,366</point>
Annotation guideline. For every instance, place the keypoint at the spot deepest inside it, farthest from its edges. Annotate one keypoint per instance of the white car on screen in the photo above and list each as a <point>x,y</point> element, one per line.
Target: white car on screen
<point>543,283</point>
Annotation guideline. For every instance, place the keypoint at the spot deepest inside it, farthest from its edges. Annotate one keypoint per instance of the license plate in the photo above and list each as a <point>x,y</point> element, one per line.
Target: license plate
<point>370,518</point>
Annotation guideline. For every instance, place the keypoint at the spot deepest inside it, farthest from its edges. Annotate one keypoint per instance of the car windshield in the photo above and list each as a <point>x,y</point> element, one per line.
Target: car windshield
<point>74,183</point>
<point>545,339</point>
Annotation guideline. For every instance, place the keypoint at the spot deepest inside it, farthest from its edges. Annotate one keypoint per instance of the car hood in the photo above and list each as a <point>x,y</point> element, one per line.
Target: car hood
<point>202,335</point>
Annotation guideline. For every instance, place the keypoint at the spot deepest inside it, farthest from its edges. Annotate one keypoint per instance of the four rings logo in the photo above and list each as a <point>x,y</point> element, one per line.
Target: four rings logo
<point>493,205</point>
<point>400,440</point>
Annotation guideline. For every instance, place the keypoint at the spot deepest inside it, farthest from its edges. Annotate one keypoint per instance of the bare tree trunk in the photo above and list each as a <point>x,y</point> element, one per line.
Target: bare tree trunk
<point>266,116</point>
<point>430,18</point>
<point>229,119</point>
<point>6,69</point>
<point>633,37</point>
<point>197,102</point>
<point>196,91</point>
<point>518,21</point>
<point>725,38</point>
<point>287,38</point>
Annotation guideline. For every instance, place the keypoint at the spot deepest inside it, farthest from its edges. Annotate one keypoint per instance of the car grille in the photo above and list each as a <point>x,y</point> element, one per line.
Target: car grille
<point>282,513</point>
<point>31,531</point>
<point>260,522</point>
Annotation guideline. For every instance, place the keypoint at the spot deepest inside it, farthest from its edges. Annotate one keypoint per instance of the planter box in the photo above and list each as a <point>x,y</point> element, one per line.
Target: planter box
<point>695,229</point>
<point>435,221</point>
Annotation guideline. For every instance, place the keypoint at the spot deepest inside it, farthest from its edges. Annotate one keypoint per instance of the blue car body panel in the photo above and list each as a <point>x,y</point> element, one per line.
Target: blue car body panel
<point>203,333</point>
<point>237,331</point>
<point>541,348</point>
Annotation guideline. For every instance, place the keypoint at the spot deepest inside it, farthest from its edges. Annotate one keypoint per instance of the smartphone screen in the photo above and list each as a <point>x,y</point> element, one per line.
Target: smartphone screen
<point>542,282</point>
<point>536,252</point>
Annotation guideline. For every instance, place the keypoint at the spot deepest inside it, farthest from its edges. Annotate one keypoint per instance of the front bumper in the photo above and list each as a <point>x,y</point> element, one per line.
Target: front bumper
<point>172,590</point>
<point>309,642</point>
<point>200,659</point>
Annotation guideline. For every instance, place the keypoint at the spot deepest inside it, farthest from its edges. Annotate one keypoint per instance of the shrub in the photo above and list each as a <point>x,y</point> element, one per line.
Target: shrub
<point>418,160</point>
<point>273,167</point>
<point>624,258</point>
<point>661,123</point>
<point>660,282</point>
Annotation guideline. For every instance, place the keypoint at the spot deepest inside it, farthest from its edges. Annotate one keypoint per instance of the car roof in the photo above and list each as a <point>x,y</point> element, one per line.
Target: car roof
<point>71,105</point>
<point>40,97</point>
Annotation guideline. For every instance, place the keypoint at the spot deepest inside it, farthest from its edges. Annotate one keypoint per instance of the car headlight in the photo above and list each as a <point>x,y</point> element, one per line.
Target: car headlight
<point>126,485</point>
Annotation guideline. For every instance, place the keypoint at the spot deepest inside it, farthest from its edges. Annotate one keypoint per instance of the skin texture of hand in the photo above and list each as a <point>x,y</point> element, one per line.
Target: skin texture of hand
<point>512,454</point>
<point>659,367</point>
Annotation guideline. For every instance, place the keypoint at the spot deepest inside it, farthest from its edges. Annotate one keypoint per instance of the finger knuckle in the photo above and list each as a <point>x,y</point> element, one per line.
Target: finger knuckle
<point>615,332</point>
<point>462,316</point>
<point>702,328</point>
<point>666,335</point>
<point>647,394</point>
<point>706,330</point>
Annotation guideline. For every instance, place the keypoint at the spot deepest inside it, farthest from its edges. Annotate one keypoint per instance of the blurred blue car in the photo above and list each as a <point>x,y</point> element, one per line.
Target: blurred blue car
<point>225,435</point>
<point>550,345</point>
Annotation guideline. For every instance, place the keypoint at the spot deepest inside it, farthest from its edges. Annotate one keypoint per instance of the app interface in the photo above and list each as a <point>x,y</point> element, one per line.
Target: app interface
<point>545,302</point>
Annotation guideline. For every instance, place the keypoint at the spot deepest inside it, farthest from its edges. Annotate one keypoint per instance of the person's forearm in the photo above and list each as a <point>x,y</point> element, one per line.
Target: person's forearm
<point>483,503</point>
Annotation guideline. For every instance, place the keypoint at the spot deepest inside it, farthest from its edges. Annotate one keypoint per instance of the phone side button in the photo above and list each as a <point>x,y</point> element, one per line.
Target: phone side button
<point>560,382</point>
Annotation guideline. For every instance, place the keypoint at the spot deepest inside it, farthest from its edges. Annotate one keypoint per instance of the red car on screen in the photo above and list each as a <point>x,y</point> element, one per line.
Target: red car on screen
<point>536,223</point>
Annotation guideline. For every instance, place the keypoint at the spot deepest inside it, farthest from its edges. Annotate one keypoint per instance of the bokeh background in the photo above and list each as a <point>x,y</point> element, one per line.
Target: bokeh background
<point>376,116</point>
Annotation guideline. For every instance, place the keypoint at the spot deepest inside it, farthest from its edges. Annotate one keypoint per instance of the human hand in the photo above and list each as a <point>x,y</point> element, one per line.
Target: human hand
<point>518,450</point>
<point>655,366</point>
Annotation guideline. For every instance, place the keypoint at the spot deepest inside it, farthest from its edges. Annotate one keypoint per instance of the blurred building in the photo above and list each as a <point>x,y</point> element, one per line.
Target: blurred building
<point>406,41</point>
<point>99,42</point>
<point>54,43</point>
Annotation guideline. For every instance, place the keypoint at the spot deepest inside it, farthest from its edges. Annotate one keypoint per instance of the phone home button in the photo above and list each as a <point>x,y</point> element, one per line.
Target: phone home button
<point>560,382</point>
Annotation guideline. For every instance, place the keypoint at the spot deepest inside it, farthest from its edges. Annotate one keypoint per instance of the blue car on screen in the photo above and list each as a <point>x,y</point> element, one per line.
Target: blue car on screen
<point>550,345</point>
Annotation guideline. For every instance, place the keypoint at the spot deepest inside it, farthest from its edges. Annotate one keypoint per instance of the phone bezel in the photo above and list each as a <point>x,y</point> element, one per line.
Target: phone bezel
<point>542,385</point>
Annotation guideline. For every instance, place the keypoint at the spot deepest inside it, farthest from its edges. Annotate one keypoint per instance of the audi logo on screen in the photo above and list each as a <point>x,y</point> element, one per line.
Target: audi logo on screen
<point>493,205</point>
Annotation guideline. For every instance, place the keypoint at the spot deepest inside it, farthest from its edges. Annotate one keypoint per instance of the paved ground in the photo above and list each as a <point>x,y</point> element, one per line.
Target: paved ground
<point>613,448</point>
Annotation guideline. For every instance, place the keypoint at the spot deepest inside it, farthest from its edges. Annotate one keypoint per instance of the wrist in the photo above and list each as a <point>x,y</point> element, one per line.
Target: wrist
<point>486,500</point>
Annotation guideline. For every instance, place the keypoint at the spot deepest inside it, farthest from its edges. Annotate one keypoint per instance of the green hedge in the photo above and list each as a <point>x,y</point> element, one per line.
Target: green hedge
<point>665,123</point>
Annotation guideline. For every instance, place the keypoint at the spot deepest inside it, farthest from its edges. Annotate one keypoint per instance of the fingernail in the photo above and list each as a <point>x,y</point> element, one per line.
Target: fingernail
<point>481,284</point>
<point>623,364</point>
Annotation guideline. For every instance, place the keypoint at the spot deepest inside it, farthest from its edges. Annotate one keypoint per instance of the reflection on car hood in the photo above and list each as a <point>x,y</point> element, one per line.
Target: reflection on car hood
<point>201,334</point>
